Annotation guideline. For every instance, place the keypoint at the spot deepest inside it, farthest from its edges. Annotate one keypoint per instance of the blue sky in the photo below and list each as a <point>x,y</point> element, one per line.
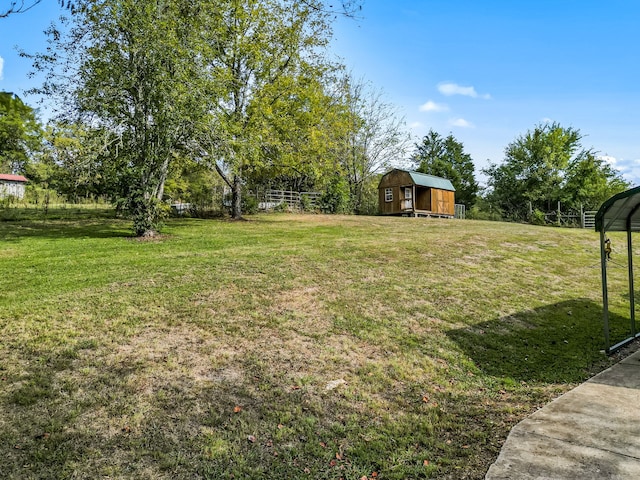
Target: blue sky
<point>489,70</point>
<point>484,70</point>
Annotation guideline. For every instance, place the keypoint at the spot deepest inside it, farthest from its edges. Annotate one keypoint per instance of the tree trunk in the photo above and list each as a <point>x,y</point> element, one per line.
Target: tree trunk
<point>236,202</point>
<point>236,193</point>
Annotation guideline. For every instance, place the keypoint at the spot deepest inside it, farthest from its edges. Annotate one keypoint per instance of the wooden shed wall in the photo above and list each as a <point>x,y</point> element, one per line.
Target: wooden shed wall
<point>423,198</point>
<point>395,180</point>
<point>392,206</point>
<point>442,202</point>
<point>429,200</point>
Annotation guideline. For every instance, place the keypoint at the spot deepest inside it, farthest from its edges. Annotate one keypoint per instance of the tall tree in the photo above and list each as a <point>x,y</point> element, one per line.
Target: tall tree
<point>544,166</point>
<point>70,162</point>
<point>305,127</point>
<point>445,157</point>
<point>20,133</point>
<point>128,69</point>
<point>258,50</point>
<point>375,137</point>
<point>589,181</point>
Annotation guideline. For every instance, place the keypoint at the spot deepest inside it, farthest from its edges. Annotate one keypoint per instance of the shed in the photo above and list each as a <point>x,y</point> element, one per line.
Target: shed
<point>403,192</point>
<point>12,185</point>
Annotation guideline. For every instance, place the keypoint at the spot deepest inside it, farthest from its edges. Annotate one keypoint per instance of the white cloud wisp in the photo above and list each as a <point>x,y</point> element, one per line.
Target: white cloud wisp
<point>432,106</point>
<point>461,122</point>
<point>449,89</point>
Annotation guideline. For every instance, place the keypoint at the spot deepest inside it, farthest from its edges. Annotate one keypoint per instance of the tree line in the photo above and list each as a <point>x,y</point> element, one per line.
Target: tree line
<point>171,99</point>
<point>147,92</point>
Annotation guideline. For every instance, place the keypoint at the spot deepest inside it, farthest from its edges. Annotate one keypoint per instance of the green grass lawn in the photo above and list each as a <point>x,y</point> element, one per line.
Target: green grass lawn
<point>288,346</point>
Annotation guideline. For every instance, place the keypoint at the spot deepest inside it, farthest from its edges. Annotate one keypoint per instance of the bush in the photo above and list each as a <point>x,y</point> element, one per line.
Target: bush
<point>335,198</point>
<point>537,217</point>
<point>475,213</point>
<point>249,204</point>
<point>305,203</point>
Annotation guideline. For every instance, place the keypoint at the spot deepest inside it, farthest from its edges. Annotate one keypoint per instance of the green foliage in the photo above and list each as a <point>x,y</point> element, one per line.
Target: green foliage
<point>249,204</point>
<point>372,138</point>
<point>128,72</point>
<point>261,60</point>
<point>69,162</point>
<point>20,134</point>
<point>483,210</point>
<point>305,203</point>
<point>369,197</point>
<point>537,217</point>
<point>194,183</point>
<point>589,181</point>
<point>546,166</point>
<point>335,198</point>
<point>445,157</point>
<point>147,212</point>
<point>303,126</point>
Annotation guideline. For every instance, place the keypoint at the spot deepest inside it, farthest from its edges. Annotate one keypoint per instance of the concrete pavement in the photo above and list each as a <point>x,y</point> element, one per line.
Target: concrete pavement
<point>590,432</point>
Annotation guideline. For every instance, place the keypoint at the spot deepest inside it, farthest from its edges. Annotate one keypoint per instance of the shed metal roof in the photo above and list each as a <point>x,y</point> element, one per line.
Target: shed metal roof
<point>620,213</point>
<point>424,180</point>
<point>12,178</point>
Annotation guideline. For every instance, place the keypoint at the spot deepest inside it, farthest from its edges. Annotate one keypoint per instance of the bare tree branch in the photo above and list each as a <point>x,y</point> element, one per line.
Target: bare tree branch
<point>347,8</point>
<point>20,6</point>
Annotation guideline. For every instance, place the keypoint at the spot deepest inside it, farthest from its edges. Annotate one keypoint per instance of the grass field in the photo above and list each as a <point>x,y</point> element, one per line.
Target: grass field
<point>288,346</point>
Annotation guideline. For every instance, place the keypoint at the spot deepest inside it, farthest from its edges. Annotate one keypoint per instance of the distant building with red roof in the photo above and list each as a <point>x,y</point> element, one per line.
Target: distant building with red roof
<point>12,185</point>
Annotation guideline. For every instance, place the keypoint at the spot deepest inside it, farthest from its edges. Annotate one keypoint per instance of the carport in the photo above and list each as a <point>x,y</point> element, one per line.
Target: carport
<point>621,213</point>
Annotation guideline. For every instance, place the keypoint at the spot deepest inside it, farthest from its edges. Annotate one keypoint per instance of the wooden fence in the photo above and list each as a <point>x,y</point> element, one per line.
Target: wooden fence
<point>589,219</point>
<point>583,219</point>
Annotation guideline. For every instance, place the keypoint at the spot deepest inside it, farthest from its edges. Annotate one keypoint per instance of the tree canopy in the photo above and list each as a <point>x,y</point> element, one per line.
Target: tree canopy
<point>20,133</point>
<point>549,165</point>
<point>445,157</point>
<point>372,140</point>
<point>263,59</point>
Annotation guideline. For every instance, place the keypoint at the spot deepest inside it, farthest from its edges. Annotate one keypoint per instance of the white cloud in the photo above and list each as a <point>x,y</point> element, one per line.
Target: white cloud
<point>609,159</point>
<point>416,125</point>
<point>1,66</point>
<point>630,169</point>
<point>450,89</point>
<point>432,106</point>
<point>461,122</point>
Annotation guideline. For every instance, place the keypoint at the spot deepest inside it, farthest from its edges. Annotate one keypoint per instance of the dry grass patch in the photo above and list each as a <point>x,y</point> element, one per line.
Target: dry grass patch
<point>287,346</point>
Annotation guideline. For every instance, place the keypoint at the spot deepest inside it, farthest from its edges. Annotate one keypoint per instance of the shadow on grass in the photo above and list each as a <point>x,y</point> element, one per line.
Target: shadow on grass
<point>54,229</point>
<point>556,343</point>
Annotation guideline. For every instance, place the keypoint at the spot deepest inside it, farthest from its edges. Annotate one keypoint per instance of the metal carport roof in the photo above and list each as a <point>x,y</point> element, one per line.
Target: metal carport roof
<point>621,213</point>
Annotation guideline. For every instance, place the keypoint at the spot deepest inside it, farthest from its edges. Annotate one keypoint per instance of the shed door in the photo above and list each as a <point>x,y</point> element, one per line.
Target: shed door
<point>440,201</point>
<point>443,202</point>
<point>408,198</point>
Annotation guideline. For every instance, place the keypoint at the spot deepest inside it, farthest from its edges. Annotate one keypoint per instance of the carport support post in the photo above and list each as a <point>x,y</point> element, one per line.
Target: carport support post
<point>605,296</point>
<point>632,302</point>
